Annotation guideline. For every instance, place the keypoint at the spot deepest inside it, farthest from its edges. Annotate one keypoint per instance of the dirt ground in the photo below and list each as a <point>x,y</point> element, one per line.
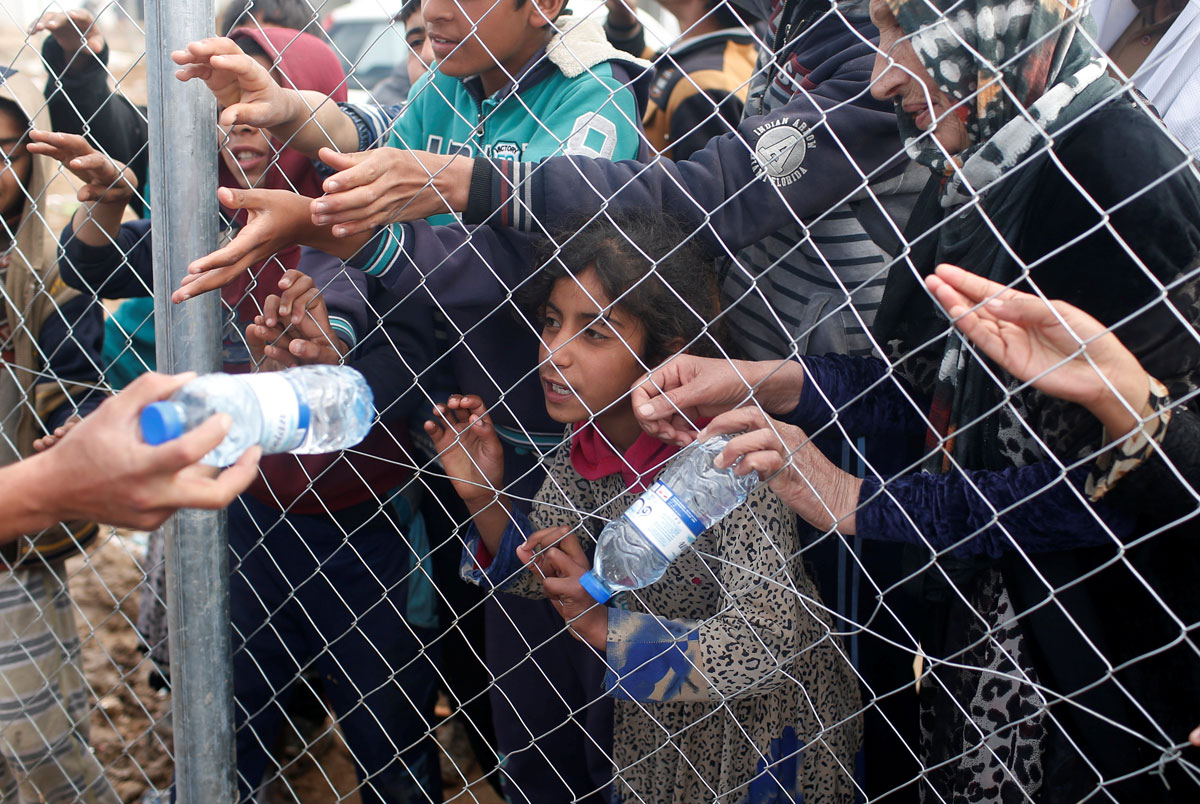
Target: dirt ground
<point>131,731</point>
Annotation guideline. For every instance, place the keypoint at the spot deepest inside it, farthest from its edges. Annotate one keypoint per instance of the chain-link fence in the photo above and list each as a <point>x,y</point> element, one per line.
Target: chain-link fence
<point>963,571</point>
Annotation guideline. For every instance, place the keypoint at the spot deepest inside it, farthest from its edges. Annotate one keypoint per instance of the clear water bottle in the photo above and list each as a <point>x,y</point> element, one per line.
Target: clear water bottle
<point>304,410</point>
<point>689,497</point>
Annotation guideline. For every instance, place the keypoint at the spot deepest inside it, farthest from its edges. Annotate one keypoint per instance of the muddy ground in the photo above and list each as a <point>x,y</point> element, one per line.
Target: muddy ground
<point>131,725</point>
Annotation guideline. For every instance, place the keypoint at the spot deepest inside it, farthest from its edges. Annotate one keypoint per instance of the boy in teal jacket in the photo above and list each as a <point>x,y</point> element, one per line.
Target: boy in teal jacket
<point>507,83</point>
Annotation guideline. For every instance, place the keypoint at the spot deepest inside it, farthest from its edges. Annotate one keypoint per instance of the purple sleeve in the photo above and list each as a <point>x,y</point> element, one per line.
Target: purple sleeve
<point>865,398</point>
<point>843,135</point>
<point>344,292</point>
<point>394,354</point>
<point>1036,508</point>
<point>69,342</point>
<point>123,269</point>
<point>459,267</point>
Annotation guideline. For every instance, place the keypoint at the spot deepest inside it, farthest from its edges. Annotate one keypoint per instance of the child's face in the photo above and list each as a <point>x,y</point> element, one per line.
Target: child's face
<point>15,170</point>
<point>490,38</point>
<point>420,51</point>
<point>247,150</point>
<point>588,358</point>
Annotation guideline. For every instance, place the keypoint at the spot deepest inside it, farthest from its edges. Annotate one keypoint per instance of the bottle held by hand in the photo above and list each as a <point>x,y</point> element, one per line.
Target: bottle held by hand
<point>303,410</point>
<point>690,496</point>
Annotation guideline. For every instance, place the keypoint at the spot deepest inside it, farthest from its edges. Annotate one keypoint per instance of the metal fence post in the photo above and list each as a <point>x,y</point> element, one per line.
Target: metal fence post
<point>183,184</point>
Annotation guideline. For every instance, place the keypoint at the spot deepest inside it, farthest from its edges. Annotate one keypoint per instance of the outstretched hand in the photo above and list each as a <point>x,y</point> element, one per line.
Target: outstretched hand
<point>293,328</point>
<point>785,457</point>
<point>243,88</point>
<point>103,470</point>
<point>470,450</point>
<point>670,399</point>
<point>1055,346</point>
<point>275,220</point>
<point>622,13</point>
<point>385,185</point>
<point>105,179</point>
<point>72,30</point>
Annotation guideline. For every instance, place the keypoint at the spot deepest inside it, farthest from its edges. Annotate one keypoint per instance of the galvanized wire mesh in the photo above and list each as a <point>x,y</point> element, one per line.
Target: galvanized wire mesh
<point>951,586</point>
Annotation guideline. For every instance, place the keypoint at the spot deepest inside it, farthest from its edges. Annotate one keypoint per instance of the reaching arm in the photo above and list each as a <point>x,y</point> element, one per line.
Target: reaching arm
<point>102,469</point>
<point>1037,508</point>
<point>69,341</point>
<point>451,265</point>
<point>304,120</point>
<point>108,185</point>
<point>828,142</point>
<point>470,450</point>
<point>119,269</point>
<point>78,96</point>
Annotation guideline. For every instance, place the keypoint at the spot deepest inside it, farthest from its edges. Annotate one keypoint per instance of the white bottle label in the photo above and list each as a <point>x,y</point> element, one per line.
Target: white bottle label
<point>280,412</point>
<point>664,520</point>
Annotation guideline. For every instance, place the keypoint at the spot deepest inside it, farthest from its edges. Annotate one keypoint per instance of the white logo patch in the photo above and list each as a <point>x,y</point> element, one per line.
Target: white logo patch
<point>507,150</point>
<point>780,151</point>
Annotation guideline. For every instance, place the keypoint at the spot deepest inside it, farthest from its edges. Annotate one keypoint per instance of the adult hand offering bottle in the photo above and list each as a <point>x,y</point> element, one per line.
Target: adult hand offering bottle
<point>303,410</point>
<point>689,497</point>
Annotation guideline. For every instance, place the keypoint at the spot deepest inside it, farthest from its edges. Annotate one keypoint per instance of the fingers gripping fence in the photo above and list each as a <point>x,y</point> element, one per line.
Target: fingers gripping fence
<point>966,573</point>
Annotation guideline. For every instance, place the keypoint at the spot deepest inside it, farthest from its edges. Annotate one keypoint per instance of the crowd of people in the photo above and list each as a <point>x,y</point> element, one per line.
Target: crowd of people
<point>932,266</point>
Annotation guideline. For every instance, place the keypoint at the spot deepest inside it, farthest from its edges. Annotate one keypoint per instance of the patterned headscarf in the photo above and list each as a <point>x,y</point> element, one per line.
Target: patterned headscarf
<point>1017,67</point>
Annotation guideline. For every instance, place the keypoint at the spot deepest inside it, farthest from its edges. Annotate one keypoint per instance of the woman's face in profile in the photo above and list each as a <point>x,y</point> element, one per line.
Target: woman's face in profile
<point>900,75</point>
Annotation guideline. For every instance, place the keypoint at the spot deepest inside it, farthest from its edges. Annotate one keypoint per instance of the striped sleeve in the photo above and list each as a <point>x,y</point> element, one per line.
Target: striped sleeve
<point>372,122</point>
<point>505,193</point>
<point>344,330</point>
<point>382,251</point>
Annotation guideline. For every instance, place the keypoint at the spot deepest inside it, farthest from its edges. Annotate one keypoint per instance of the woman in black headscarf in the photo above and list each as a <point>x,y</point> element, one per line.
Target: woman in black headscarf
<point>1058,664</point>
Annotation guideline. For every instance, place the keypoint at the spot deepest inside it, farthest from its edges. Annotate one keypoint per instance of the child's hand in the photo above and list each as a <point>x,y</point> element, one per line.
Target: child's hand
<point>469,448</point>
<point>293,328</point>
<point>48,441</point>
<point>559,557</point>
<point>244,88</point>
<point>276,220</point>
<point>622,13</point>
<point>72,30</point>
<point>531,552</point>
<point>106,181</point>
<point>382,186</point>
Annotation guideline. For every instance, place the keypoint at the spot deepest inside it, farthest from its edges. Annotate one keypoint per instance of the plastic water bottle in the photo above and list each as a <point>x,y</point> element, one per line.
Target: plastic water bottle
<point>304,410</point>
<point>689,497</point>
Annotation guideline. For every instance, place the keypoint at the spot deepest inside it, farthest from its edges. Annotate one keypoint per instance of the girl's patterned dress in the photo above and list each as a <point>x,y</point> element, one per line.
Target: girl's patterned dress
<point>730,685</point>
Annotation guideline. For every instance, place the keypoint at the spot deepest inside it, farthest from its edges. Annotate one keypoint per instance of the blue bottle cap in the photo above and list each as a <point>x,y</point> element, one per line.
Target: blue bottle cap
<point>595,587</point>
<point>161,422</point>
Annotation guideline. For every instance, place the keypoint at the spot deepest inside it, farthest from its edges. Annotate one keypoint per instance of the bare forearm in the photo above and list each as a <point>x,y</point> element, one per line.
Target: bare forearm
<point>492,517</point>
<point>453,182</point>
<point>26,496</point>
<point>97,224</point>
<point>315,122</point>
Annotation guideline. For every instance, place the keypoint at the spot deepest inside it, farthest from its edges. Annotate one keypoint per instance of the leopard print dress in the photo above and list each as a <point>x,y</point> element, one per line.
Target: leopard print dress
<point>730,685</point>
